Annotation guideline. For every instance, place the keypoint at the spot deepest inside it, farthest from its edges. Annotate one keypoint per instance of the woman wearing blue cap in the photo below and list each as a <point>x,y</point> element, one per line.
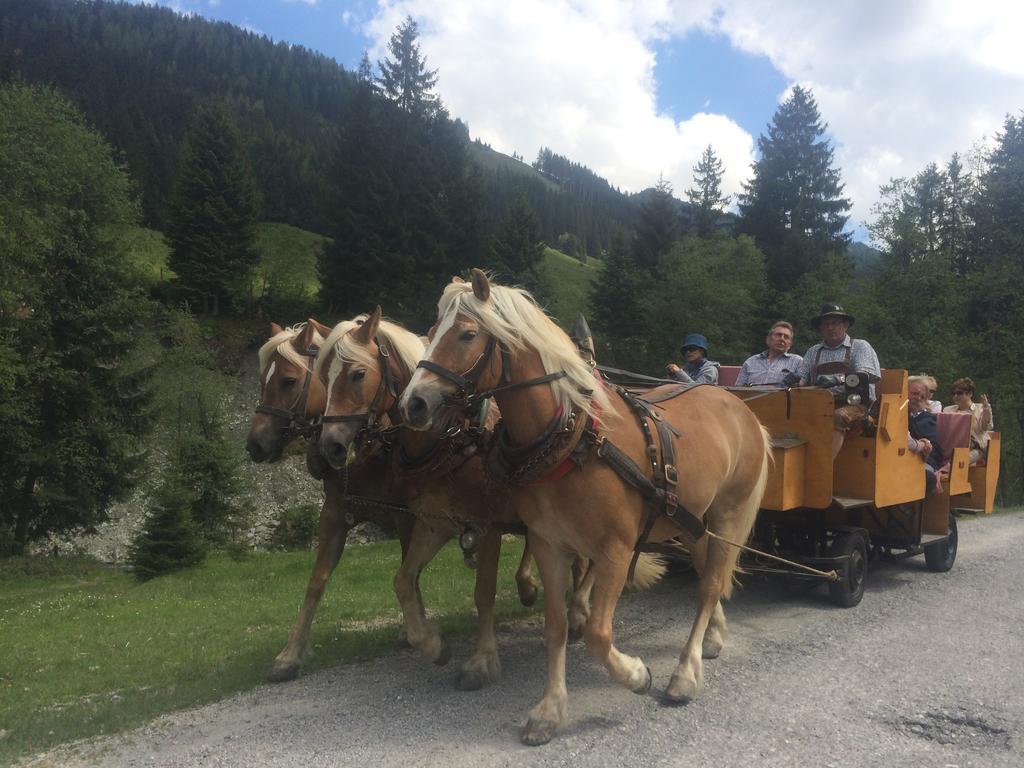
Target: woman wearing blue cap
<point>698,369</point>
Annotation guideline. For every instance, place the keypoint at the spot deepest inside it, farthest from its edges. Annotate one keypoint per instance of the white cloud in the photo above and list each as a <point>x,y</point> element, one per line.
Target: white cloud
<point>900,83</point>
<point>575,77</point>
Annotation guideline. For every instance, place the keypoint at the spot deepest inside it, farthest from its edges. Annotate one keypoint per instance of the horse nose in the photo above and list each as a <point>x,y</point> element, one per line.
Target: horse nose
<point>334,451</point>
<point>416,411</point>
<point>256,452</point>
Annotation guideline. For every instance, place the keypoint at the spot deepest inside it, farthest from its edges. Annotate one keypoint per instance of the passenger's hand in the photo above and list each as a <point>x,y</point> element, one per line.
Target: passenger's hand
<point>791,379</point>
<point>926,447</point>
<point>827,381</point>
<point>984,400</point>
<point>672,369</point>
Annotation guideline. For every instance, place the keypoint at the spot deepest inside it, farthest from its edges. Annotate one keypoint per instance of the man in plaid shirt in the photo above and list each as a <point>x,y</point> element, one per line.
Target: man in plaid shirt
<point>827,363</point>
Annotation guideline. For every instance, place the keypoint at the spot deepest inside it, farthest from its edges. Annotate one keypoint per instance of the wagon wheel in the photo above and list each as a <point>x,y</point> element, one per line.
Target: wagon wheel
<point>848,591</point>
<point>940,556</point>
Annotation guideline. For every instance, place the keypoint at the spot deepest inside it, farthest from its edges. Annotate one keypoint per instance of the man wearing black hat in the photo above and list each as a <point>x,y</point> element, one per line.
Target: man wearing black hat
<point>826,363</point>
<point>698,369</point>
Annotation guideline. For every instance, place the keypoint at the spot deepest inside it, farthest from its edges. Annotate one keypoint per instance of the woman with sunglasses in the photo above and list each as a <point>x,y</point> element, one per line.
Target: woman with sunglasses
<point>981,415</point>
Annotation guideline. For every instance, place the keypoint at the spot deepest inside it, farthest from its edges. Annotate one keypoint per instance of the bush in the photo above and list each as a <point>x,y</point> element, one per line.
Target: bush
<point>296,527</point>
<point>169,540</point>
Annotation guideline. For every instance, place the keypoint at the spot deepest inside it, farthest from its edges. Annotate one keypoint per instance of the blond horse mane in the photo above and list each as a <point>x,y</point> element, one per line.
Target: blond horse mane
<point>281,343</point>
<point>513,317</point>
<point>406,344</point>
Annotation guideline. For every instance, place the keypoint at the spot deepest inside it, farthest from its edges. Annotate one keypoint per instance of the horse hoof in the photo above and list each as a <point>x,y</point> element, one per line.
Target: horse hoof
<point>711,649</point>
<point>282,673</point>
<point>679,691</point>
<point>646,685</point>
<point>445,654</point>
<point>527,594</point>
<point>538,732</point>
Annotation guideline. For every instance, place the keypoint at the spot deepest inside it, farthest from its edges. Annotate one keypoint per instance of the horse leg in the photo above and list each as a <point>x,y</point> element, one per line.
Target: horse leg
<point>403,527</point>
<point>609,580</point>
<point>715,581</point>
<point>718,631</point>
<point>579,606</point>
<point>524,578</point>
<point>483,666</point>
<point>422,634</point>
<point>550,711</point>
<point>332,534</point>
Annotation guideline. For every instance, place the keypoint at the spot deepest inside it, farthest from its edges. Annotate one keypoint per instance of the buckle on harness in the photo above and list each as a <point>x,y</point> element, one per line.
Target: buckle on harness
<point>671,475</point>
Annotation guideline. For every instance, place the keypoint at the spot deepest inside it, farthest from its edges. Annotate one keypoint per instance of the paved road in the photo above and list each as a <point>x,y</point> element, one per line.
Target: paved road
<point>927,671</point>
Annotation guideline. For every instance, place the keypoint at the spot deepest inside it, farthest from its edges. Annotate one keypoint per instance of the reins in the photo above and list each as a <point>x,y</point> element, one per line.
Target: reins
<point>466,394</point>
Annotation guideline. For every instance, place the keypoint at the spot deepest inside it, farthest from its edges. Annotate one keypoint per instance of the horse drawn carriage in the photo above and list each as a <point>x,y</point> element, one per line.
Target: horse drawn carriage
<point>871,501</point>
<point>580,467</point>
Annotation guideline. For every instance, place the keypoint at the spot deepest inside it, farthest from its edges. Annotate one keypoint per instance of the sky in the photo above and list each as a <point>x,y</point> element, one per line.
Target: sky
<point>636,89</point>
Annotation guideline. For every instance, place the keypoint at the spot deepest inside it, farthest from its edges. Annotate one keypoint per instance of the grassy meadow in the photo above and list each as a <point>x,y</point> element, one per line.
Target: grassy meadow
<point>567,284</point>
<point>86,650</point>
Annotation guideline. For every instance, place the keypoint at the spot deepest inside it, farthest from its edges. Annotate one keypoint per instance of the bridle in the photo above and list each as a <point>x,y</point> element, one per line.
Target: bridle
<point>369,430</point>
<point>466,395</point>
<point>295,422</point>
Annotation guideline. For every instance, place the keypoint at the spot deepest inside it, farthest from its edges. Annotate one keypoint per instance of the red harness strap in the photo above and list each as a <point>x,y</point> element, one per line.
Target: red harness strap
<point>567,465</point>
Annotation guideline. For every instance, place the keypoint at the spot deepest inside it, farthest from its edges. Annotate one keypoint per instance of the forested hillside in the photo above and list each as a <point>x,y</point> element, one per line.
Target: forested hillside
<point>138,72</point>
<point>242,179</point>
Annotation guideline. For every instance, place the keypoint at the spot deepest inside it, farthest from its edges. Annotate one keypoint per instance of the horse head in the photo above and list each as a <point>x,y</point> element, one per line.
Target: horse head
<point>461,358</point>
<point>363,370</point>
<point>290,396</point>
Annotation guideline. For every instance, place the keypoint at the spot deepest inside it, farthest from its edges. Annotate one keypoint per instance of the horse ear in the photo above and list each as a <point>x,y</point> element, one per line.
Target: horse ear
<point>457,279</point>
<point>481,285</point>
<point>275,329</point>
<point>322,329</point>
<point>305,339</point>
<point>364,333</point>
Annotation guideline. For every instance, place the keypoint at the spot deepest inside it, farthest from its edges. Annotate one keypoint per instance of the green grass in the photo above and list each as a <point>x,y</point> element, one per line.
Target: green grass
<point>148,252</point>
<point>86,650</point>
<point>567,282</point>
<point>288,258</point>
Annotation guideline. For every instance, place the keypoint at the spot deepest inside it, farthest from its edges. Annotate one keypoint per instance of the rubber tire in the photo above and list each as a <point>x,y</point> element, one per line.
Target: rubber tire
<point>849,591</point>
<point>940,556</point>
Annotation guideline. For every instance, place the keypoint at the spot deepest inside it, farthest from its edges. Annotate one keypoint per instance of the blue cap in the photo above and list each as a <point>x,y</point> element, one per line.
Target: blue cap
<point>695,340</point>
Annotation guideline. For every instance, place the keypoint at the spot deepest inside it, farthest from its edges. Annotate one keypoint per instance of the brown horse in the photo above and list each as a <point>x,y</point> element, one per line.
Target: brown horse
<point>490,339</point>
<point>437,473</point>
<point>292,400</point>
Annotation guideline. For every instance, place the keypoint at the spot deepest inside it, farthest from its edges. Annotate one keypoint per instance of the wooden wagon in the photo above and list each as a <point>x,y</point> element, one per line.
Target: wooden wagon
<point>871,502</point>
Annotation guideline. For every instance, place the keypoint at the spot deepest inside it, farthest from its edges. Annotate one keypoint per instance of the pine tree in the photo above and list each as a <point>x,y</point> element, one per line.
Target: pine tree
<point>169,540</point>
<point>74,382</point>
<point>997,296</point>
<point>706,194</point>
<point>955,223</point>
<point>616,310</point>
<point>518,249</point>
<point>214,211</point>
<point>659,224</point>
<point>793,205</point>
<point>404,78</point>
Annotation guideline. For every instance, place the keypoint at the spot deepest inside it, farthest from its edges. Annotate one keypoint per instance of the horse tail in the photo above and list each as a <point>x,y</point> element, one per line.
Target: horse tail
<point>650,569</point>
<point>748,511</point>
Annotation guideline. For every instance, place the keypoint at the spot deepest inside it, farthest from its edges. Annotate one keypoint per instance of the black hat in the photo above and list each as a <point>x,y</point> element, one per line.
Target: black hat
<point>830,309</point>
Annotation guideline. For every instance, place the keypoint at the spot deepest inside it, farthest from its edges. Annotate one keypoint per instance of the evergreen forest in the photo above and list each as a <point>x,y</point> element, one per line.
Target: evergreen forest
<point>123,123</point>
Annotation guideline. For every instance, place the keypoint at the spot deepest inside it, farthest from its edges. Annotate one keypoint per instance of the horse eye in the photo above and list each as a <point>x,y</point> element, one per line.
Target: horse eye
<point>467,336</point>
<point>358,375</point>
<point>289,382</point>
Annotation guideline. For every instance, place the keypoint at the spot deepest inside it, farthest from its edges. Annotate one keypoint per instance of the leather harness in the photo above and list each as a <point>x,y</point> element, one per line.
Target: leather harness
<point>571,439</point>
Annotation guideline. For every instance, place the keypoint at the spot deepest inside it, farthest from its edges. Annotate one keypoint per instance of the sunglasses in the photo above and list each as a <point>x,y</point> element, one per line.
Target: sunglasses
<point>690,349</point>
<point>959,392</point>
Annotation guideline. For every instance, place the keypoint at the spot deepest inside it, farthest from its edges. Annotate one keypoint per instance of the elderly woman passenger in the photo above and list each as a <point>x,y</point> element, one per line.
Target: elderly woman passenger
<point>981,416</point>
